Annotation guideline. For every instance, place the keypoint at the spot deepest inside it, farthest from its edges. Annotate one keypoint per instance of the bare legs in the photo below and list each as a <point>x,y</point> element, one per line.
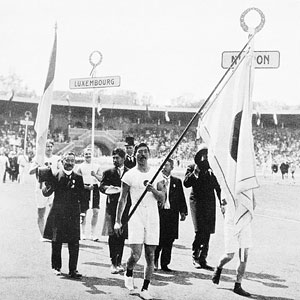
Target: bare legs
<point>241,268</point>
<point>41,219</point>
<point>94,221</point>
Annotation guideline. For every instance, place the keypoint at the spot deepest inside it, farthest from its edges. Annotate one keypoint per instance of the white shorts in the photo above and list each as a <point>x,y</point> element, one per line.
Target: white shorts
<point>235,241</point>
<point>143,227</point>
<point>41,201</point>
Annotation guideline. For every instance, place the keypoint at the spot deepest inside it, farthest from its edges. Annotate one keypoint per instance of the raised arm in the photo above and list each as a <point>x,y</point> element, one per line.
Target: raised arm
<point>190,176</point>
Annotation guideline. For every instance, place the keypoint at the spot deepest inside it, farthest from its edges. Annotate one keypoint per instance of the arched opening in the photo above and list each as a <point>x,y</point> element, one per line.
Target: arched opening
<point>105,149</point>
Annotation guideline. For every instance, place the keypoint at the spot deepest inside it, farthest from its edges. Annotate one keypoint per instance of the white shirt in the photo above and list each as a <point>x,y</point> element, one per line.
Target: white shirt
<point>136,181</point>
<point>86,170</point>
<point>3,161</point>
<point>121,170</point>
<point>167,185</point>
<point>22,160</point>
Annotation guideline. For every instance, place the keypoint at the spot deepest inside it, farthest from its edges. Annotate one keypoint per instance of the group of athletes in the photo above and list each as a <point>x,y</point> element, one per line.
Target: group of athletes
<point>72,189</point>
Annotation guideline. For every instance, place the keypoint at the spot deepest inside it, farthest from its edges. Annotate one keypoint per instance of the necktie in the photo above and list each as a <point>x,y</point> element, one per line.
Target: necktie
<point>119,171</point>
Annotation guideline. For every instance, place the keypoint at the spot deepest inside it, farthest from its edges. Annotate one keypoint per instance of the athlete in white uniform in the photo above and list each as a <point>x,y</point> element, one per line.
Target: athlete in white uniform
<point>91,175</point>
<point>23,162</point>
<point>52,161</point>
<point>143,227</point>
<point>239,242</point>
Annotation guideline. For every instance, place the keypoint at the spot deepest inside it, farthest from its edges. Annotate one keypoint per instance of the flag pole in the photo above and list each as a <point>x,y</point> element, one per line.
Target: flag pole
<point>95,60</point>
<point>187,128</point>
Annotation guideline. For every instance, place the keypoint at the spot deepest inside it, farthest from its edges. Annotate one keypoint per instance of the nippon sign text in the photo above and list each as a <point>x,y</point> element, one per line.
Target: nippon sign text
<point>263,59</point>
<point>94,82</point>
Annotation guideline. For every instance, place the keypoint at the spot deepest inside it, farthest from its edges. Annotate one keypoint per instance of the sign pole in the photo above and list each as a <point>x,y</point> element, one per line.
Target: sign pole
<point>93,123</point>
<point>95,60</point>
<point>25,138</point>
<point>26,122</point>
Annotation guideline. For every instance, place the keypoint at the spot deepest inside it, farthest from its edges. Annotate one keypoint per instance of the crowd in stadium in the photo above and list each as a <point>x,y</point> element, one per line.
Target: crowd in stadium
<point>271,145</point>
<point>283,144</point>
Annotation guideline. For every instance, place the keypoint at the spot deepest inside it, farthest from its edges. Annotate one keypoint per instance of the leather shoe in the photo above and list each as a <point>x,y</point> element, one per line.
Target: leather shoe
<point>216,275</point>
<point>75,275</point>
<point>166,269</point>
<point>238,290</point>
<point>196,264</point>
<point>206,267</point>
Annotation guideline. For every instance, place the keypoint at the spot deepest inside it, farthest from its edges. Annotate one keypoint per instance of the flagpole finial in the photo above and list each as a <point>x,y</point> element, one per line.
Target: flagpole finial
<point>256,29</point>
<point>55,26</point>
<point>95,60</point>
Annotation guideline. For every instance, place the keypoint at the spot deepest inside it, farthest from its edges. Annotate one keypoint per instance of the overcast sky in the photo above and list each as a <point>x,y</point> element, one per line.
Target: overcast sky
<point>163,48</point>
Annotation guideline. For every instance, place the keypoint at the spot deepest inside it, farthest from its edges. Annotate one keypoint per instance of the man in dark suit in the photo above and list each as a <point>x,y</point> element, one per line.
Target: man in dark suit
<point>169,212</point>
<point>110,185</point>
<point>63,222</point>
<point>130,160</point>
<point>200,177</point>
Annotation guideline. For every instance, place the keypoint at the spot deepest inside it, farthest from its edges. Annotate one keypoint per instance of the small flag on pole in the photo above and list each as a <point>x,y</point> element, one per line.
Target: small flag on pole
<point>9,101</point>
<point>167,116</point>
<point>148,115</point>
<point>11,96</point>
<point>226,127</point>
<point>275,119</point>
<point>99,107</point>
<point>258,116</point>
<point>44,108</point>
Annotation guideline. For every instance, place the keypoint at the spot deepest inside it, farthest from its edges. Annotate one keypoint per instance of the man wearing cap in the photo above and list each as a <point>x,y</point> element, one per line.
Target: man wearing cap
<point>143,227</point>
<point>91,175</point>
<point>203,182</point>
<point>111,185</point>
<point>130,160</point>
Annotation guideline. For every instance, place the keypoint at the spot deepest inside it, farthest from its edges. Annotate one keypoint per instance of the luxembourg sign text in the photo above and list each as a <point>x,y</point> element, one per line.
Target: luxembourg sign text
<point>263,59</point>
<point>94,82</point>
<point>26,122</point>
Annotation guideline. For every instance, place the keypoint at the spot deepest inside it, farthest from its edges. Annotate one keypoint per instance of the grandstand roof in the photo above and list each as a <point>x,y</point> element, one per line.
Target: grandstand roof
<point>85,100</point>
<point>88,103</point>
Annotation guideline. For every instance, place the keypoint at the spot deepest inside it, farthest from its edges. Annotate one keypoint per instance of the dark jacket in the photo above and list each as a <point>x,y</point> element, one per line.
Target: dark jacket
<point>202,199</point>
<point>169,218</point>
<point>129,163</point>
<point>111,177</point>
<point>63,222</point>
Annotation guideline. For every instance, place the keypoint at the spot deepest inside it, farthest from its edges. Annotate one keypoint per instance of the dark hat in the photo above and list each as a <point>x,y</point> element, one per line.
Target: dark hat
<point>45,174</point>
<point>202,150</point>
<point>129,141</point>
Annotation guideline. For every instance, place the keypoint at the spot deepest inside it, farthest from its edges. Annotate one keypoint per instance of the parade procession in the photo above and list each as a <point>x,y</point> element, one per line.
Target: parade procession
<point>159,159</point>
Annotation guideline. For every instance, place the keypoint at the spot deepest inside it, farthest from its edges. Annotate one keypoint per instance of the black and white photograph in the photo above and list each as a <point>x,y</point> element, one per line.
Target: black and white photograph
<point>149,150</point>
